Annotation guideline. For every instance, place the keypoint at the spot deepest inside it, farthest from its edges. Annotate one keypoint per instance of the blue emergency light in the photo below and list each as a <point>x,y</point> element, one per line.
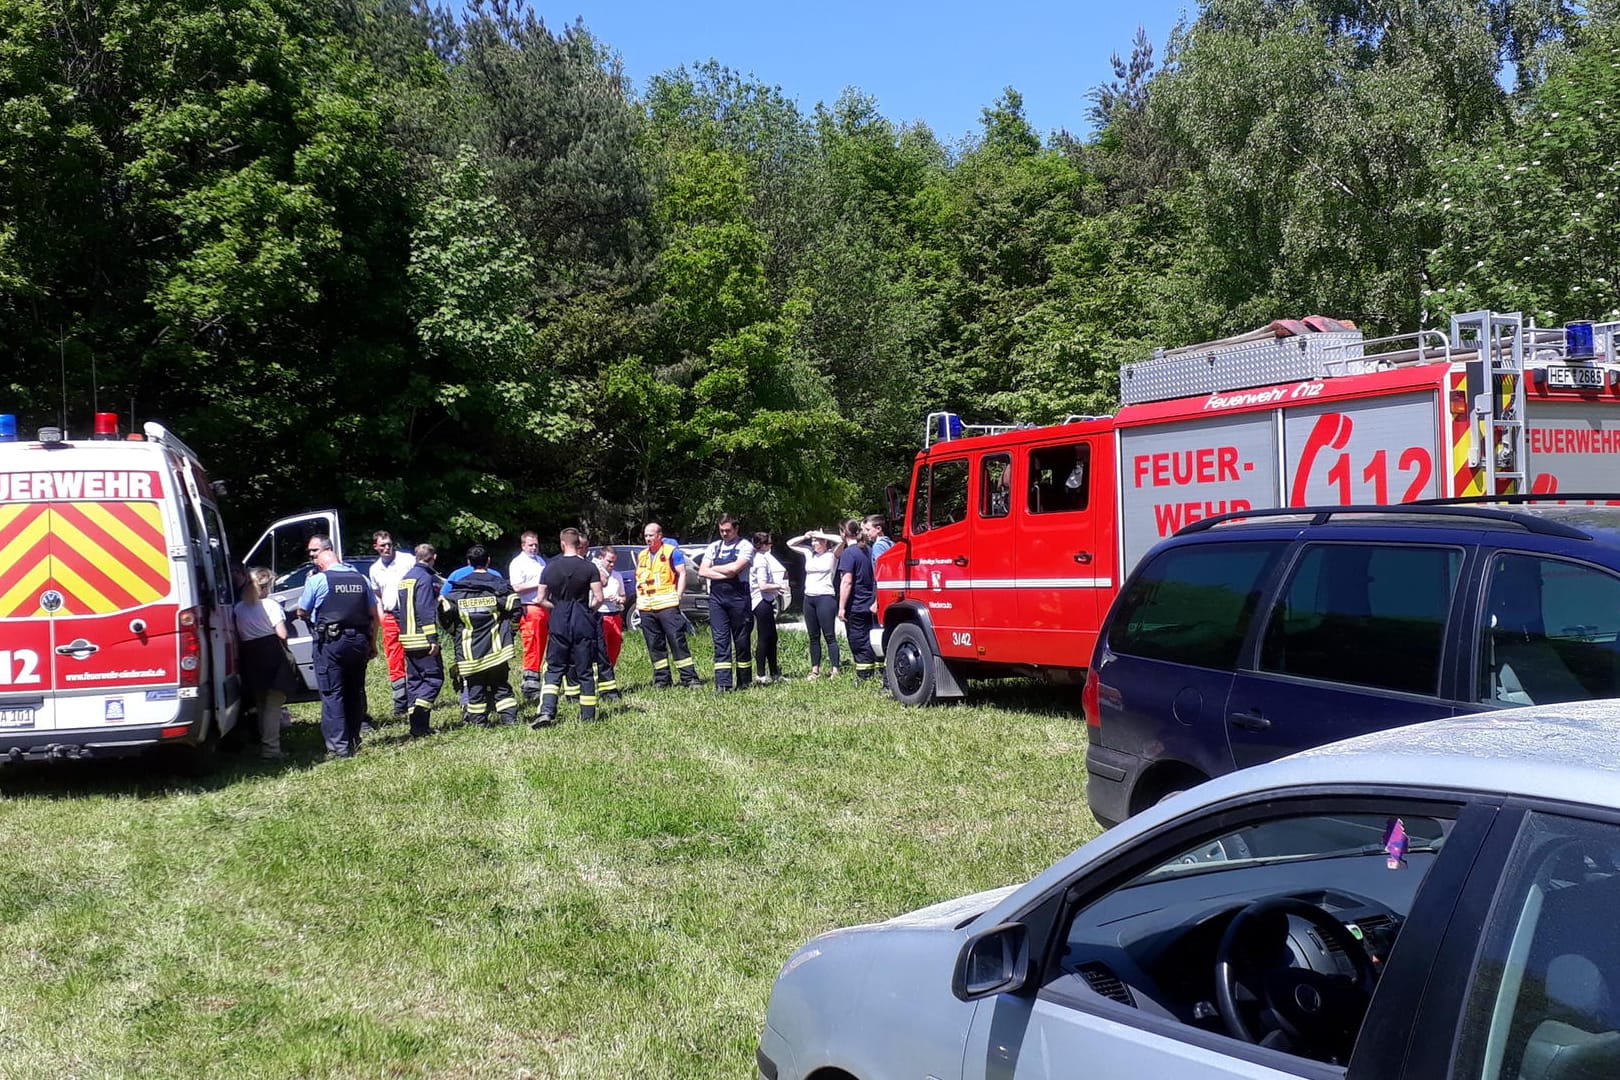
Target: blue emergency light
<point>947,426</point>
<point>1578,342</point>
<point>8,427</point>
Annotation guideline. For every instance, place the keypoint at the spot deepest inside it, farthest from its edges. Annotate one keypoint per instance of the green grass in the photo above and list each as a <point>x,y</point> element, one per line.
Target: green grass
<point>609,900</point>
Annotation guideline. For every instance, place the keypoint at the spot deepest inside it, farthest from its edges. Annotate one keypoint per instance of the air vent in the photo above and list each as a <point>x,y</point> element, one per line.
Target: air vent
<point>1327,944</point>
<point>1104,982</point>
<point>1376,922</point>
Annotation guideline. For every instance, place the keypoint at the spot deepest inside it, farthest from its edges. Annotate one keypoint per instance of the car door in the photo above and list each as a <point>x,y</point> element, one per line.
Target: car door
<point>281,546</point>
<point>1354,641</point>
<point>1527,982</point>
<point>1116,995</point>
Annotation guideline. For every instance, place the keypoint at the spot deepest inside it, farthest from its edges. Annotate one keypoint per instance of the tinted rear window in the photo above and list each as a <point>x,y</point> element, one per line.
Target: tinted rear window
<point>1366,614</point>
<point>1193,604</point>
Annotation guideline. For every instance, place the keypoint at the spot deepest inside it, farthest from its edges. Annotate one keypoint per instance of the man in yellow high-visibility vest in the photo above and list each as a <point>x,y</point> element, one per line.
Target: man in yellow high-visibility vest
<point>660,580</point>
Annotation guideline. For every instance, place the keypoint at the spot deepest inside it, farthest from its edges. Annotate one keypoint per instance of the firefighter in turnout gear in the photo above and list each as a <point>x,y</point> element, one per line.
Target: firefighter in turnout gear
<point>571,591</point>
<point>338,603</point>
<point>483,610</point>
<point>418,610</point>
<point>660,580</point>
<point>731,621</point>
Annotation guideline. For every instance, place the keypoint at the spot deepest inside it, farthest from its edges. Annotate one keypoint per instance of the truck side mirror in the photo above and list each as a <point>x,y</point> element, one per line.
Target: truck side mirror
<point>894,501</point>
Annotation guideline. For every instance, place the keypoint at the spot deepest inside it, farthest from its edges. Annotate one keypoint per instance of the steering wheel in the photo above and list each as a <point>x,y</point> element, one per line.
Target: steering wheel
<point>1319,1013</point>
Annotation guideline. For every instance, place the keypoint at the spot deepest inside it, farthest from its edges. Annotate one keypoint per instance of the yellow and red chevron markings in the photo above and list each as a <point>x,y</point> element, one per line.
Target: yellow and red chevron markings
<point>100,556</point>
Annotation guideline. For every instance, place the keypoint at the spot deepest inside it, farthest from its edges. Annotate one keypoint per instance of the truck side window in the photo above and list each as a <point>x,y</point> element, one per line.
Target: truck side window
<point>942,495</point>
<point>1551,632</point>
<point>1059,480</point>
<point>1192,605</point>
<point>995,486</point>
<point>1368,614</point>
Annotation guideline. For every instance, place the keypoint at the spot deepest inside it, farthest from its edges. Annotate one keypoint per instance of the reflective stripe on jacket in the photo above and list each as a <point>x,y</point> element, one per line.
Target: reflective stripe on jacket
<point>417,610</point>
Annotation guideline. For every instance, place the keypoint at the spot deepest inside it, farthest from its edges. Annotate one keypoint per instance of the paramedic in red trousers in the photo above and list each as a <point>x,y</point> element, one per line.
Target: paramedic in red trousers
<point>660,580</point>
<point>524,573</point>
<point>609,625</point>
<point>731,621</point>
<point>419,637</point>
<point>385,575</point>
<point>341,609</point>
<point>571,590</point>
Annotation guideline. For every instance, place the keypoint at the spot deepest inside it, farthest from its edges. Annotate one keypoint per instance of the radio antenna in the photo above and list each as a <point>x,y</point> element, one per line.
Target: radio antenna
<point>61,359</point>
<point>95,398</point>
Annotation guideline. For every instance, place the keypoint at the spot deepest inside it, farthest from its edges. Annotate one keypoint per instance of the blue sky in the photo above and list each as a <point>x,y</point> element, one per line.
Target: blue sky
<point>939,62</point>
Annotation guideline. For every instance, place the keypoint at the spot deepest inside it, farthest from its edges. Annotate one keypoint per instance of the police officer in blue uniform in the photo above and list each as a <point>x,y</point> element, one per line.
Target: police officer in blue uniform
<point>341,608</point>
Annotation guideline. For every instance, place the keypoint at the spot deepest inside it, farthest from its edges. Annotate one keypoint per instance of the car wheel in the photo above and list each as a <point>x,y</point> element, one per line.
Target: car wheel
<point>908,665</point>
<point>199,760</point>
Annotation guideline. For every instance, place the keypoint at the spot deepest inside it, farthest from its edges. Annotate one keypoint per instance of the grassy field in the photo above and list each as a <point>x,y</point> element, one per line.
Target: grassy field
<point>610,900</point>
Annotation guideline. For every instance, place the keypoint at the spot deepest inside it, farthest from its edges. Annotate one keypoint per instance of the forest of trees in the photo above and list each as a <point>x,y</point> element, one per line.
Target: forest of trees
<point>453,273</point>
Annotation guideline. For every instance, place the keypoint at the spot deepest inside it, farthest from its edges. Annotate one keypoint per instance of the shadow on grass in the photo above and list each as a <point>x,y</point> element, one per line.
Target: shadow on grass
<point>1026,695</point>
<point>160,772</point>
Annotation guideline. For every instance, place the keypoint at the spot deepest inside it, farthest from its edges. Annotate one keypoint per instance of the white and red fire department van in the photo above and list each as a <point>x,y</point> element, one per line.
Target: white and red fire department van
<point>115,596</point>
<point>1016,538</point>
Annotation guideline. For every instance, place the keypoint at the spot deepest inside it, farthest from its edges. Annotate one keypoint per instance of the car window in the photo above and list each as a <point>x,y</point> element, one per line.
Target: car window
<point>1551,632</point>
<point>1059,478</point>
<point>1366,614</point>
<point>1274,933</point>
<point>1193,604</point>
<point>942,495</point>
<point>995,486</point>
<point>1545,997</point>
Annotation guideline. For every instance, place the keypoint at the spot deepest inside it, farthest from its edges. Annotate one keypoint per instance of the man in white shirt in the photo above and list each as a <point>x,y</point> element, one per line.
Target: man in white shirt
<point>524,574</point>
<point>385,575</point>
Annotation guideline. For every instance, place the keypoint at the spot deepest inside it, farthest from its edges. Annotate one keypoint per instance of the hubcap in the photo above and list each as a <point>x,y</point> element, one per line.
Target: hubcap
<point>908,668</point>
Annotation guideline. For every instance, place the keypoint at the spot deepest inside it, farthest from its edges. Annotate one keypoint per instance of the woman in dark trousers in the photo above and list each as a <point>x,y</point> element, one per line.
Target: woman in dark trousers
<point>820,595</point>
<point>767,585</point>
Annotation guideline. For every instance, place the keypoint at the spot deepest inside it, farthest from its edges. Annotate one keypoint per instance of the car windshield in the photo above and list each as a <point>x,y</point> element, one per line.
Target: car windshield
<point>1305,839</point>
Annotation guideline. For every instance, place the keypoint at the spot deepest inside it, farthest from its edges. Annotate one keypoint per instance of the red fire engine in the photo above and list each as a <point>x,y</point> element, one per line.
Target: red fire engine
<point>1016,538</point>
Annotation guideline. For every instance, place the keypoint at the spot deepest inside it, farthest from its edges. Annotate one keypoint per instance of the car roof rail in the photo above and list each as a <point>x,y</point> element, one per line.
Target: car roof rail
<point>1600,498</point>
<point>1321,515</point>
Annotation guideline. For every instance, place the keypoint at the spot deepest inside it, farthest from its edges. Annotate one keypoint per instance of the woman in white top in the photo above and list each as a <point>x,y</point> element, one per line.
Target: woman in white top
<point>767,582</point>
<point>820,551</point>
<point>266,668</point>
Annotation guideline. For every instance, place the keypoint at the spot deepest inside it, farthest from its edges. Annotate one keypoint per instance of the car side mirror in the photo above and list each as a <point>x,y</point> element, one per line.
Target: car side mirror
<point>993,961</point>
<point>894,501</point>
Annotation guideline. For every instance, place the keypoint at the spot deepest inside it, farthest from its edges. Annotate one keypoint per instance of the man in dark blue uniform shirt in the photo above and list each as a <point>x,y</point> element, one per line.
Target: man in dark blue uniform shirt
<point>342,611</point>
<point>571,590</point>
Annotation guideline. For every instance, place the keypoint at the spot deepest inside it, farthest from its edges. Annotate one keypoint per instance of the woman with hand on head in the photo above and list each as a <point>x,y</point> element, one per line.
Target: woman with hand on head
<point>820,551</point>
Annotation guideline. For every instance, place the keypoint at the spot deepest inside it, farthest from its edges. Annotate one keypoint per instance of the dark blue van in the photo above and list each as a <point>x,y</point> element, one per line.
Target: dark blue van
<point>1248,637</point>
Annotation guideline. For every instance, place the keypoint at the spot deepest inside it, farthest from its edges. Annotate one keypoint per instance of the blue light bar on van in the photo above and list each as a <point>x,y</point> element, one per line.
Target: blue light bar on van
<point>947,426</point>
<point>8,427</point>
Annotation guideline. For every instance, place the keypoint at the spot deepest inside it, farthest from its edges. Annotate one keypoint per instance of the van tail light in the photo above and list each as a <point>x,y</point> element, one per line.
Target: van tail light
<point>190,647</point>
<point>1090,699</point>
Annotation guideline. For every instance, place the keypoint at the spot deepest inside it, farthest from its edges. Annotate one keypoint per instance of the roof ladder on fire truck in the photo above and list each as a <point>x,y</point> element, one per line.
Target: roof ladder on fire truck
<point>1495,387</point>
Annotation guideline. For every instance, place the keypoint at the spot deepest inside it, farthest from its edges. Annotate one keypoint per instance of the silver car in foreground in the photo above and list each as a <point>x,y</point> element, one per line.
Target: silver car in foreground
<point>1433,901</point>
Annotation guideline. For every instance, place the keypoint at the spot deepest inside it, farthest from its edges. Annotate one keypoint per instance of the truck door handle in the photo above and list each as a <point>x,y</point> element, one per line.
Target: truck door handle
<point>1249,721</point>
<point>960,560</point>
<point>1082,556</point>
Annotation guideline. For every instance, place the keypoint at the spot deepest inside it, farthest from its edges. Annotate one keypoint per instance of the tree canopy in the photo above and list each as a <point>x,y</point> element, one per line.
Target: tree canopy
<point>453,273</point>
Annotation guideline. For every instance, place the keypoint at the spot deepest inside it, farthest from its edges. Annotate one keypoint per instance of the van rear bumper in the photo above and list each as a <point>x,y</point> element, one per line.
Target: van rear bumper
<point>21,746</point>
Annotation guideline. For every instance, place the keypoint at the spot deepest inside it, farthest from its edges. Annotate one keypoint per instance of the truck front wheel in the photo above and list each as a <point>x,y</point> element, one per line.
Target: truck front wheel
<point>908,664</point>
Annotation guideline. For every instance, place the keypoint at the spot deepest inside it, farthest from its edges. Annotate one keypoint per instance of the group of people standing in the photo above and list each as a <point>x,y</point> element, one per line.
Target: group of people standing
<point>562,619</point>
